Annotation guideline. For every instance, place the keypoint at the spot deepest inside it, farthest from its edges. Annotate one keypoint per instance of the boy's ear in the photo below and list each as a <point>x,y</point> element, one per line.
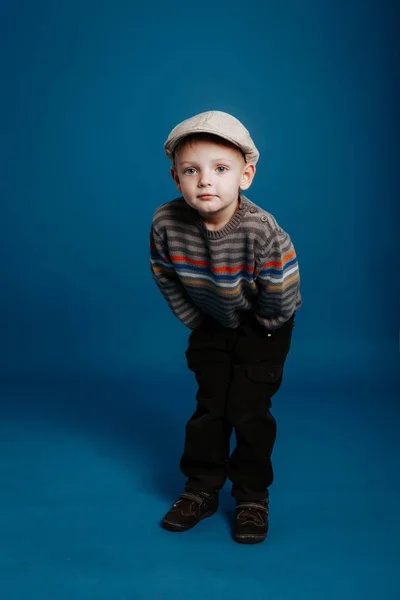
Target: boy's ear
<point>175,177</point>
<point>247,176</point>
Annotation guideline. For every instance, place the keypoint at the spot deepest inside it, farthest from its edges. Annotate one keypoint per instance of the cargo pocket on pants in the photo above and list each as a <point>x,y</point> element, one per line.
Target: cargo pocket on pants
<point>264,373</point>
<point>263,381</point>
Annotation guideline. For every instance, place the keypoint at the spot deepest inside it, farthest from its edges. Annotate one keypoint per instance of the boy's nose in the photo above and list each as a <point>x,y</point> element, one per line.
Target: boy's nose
<point>204,180</point>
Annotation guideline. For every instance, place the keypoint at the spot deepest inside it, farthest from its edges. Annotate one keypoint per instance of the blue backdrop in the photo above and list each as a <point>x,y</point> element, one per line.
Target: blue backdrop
<point>90,91</point>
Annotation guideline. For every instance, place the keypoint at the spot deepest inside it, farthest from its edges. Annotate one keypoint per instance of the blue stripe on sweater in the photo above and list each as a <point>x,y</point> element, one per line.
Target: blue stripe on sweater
<point>272,271</point>
<point>206,271</point>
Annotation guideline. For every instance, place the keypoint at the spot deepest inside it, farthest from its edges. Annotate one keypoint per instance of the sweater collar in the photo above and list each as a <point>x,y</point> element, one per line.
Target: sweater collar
<point>230,226</point>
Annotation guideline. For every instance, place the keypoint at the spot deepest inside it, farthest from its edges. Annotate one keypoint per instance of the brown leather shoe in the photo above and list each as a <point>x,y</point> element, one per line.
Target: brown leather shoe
<point>189,509</point>
<point>251,524</point>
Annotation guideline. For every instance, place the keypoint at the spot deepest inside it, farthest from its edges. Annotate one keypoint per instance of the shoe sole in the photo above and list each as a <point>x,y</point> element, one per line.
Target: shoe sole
<point>171,526</point>
<point>249,539</point>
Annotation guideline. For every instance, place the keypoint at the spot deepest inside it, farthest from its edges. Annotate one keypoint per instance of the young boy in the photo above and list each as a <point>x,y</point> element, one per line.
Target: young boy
<point>229,272</point>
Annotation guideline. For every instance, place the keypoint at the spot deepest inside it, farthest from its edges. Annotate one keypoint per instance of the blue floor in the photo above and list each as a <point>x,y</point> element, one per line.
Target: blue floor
<point>86,477</point>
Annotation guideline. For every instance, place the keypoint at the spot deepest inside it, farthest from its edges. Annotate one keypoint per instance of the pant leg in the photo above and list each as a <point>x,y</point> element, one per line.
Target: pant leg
<point>207,441</point>
<point>257,375</point>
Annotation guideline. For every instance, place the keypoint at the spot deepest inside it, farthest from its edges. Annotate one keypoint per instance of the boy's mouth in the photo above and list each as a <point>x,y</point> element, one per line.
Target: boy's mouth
<point>206,196</point>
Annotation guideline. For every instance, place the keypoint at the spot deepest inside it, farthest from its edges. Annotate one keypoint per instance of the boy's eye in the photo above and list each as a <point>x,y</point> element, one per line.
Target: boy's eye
<point>221,169</point>
<point>190,171</point>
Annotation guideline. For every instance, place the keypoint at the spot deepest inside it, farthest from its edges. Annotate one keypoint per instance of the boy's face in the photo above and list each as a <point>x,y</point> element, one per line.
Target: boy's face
<point>209,173</point>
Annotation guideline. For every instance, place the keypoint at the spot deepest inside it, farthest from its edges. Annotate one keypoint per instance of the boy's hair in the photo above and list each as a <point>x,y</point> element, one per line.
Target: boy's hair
<point>208,137</point>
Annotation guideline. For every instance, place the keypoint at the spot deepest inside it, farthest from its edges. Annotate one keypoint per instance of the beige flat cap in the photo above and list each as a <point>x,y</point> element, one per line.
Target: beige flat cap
<point>218,123</point>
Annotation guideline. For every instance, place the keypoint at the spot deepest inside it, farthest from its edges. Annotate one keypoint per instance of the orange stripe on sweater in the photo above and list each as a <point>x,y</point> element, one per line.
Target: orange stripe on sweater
<point>275,263</point>
<point>205,263</point>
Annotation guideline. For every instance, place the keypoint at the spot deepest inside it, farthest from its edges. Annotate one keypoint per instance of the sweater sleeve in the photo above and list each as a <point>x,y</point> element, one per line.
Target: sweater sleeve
<point>278,280</point>
<point>170,285</point>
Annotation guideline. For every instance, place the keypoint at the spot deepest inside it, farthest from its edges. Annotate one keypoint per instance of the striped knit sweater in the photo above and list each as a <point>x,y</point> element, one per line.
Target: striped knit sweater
<point>248,265</point>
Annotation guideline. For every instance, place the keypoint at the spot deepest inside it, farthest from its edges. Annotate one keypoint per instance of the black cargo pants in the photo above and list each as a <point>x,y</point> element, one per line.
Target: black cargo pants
<point>237,372</point>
